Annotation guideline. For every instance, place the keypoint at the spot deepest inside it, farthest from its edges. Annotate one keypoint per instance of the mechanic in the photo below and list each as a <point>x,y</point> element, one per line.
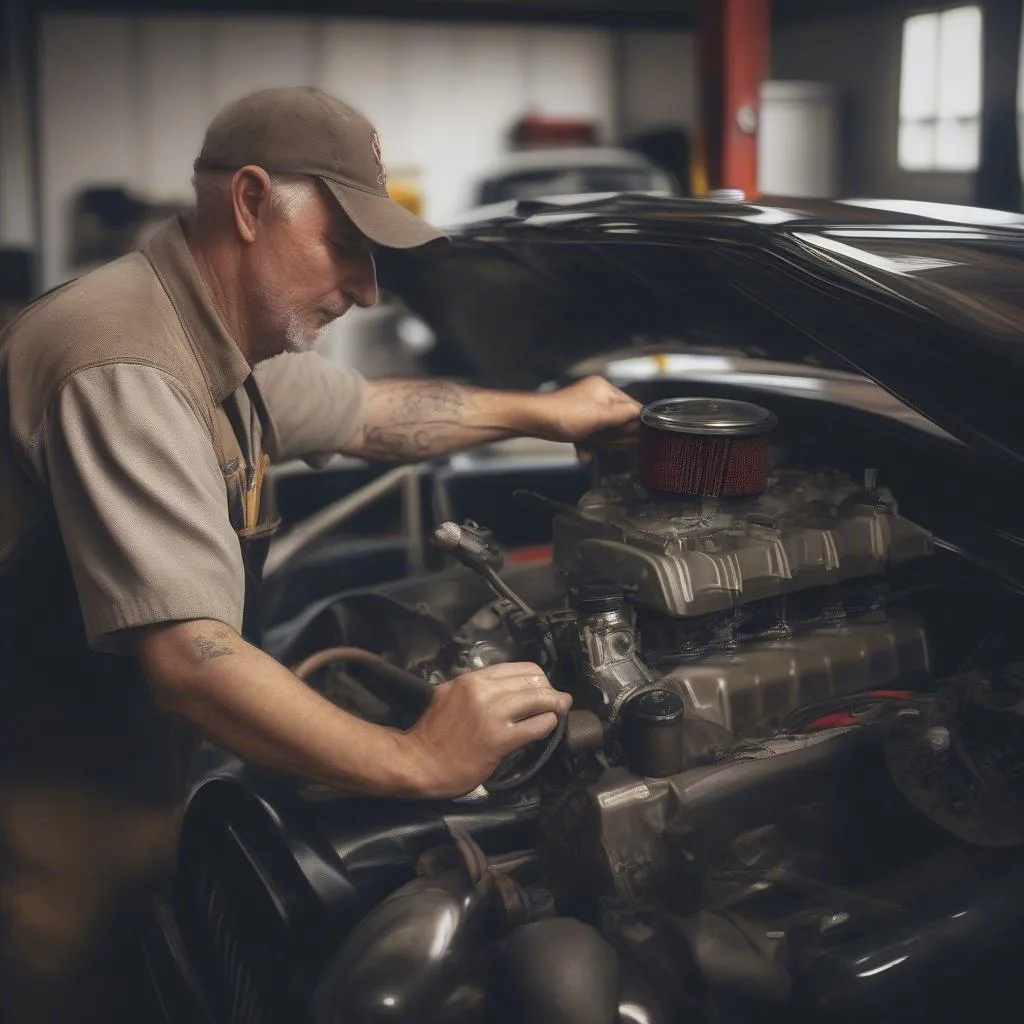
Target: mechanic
<point>142,404</point>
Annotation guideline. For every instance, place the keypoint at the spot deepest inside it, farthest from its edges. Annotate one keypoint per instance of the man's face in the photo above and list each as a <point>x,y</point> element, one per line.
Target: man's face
<point>302,273</point>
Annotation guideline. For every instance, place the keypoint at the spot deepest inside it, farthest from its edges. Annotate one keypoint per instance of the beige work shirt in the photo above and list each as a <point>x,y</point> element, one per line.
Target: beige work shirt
<point>123,454</point>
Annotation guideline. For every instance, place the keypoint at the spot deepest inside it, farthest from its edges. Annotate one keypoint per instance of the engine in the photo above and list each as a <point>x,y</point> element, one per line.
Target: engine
<point>753,594</point>
<point>693,570</point>
<point>756,718</point>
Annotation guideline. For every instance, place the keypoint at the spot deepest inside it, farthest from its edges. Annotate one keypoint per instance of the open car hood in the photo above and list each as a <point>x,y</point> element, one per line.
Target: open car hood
<point>926,300</point>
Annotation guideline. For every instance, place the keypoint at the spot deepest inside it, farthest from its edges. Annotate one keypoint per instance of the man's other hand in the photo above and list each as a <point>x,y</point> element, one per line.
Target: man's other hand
<point>478,718</point>
<point>588,407</point>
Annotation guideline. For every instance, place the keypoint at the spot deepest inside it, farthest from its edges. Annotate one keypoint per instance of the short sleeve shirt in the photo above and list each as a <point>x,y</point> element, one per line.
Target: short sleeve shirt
<point>133,475</point>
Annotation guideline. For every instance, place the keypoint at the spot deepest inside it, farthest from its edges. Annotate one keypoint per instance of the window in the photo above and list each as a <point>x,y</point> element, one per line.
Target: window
<point>940,91</point>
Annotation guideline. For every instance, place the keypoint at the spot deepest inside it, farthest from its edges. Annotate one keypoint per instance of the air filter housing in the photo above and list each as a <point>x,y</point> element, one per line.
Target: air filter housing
<point>705,447</point>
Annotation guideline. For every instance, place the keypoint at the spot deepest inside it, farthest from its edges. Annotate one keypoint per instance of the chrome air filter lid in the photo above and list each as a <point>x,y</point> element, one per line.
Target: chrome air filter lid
<point>720,416</point>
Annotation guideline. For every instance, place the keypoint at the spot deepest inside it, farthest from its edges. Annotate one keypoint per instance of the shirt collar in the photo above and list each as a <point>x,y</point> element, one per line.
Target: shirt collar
<point>224,366</point>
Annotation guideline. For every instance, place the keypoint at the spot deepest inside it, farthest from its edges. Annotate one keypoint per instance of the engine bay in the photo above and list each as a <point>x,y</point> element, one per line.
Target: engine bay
<point>791,785</point>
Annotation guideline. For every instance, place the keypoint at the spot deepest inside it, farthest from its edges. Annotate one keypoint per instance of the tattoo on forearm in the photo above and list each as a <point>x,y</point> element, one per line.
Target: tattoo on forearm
<point>403,444</point>
<point>407,419</point>
<point>209,647</point>
<point>413,419</point>
<point>430,403</point>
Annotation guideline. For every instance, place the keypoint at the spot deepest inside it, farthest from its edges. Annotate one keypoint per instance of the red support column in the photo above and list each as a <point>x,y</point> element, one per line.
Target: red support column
<point>734,50</point>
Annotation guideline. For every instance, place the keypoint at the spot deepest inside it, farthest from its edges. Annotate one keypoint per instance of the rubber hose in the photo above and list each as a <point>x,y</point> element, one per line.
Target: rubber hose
<point>524,775</point>
<point>405,684</point>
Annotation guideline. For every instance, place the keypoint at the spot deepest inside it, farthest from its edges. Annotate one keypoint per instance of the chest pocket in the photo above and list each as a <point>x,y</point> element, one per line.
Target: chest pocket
<point>251,506</point>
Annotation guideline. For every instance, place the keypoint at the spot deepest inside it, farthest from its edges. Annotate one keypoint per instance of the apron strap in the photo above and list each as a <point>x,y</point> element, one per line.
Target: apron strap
<point>250,502</point>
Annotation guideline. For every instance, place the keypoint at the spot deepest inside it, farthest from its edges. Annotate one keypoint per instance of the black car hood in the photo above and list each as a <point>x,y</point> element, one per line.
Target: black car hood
<point>928,301</point>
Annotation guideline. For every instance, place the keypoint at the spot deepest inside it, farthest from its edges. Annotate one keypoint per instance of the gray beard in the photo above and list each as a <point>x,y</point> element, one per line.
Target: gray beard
<point>299,338</point>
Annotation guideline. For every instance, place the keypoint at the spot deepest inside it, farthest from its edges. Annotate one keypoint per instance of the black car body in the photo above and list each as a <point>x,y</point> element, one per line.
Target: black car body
<point>792,786</point>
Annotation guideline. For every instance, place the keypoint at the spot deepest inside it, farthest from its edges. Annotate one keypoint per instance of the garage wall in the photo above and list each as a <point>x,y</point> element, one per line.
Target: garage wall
<point>16,228</point>
<point>860,55</point>
<point>659,81</point>
<point>126,100</point>
<point>16,193</point>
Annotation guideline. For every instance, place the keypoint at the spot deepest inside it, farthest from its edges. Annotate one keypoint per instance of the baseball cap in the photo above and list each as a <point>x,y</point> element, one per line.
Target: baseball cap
<point>306,131</point>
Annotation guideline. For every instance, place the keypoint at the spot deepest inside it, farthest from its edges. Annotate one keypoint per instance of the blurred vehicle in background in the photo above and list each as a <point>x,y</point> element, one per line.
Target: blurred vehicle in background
<point>576,170</point>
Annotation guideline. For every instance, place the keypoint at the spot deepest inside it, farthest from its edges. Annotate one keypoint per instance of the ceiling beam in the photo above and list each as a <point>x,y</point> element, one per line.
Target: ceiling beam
<point>613,13</point>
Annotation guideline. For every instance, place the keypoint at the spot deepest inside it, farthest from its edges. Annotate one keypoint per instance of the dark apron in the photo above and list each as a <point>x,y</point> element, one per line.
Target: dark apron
<point>93,779</point>
<point>250,504</point>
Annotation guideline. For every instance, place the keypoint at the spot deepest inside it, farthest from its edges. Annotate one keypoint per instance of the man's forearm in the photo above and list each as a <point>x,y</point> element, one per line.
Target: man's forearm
<point>408,419</point>
<point>249,705</point>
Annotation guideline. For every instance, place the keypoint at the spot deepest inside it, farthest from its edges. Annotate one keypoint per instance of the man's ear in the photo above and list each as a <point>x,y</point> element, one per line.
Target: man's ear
<point>250,199</point>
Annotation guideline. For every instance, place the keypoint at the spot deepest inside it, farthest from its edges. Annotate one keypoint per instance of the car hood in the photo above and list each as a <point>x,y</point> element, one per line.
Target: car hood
<point>925,300</point>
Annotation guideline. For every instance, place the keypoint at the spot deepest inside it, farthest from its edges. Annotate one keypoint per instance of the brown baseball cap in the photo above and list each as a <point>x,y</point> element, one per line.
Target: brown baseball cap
<point>306,131</point>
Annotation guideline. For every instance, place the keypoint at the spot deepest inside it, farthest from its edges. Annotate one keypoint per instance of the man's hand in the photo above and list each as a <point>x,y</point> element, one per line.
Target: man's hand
<point>478,718</point>
<point>586,408</point>
<point>249,705</point>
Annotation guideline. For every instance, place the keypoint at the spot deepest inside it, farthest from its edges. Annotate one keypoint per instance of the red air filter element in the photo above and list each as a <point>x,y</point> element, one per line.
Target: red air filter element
<point>705,447</point>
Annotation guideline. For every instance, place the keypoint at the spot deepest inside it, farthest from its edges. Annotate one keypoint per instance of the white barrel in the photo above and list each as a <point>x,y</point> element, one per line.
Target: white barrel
<point>797,140</point>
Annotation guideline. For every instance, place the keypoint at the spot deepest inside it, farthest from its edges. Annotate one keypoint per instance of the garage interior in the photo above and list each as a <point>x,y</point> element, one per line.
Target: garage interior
<point>666,116</point>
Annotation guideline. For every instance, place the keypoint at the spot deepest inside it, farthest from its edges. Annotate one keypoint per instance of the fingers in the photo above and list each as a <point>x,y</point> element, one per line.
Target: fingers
<point>622,411</point>
<point>605,408</point>
<point>529,730</point>
<point>525,673</point>
<point>619,416</point>
<point>521,704</point>
<point>513,703</point>
<point>511,668</point>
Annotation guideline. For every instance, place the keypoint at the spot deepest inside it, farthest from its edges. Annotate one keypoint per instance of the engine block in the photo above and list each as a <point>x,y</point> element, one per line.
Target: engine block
<point>692,556</point>
<point>759,682</point>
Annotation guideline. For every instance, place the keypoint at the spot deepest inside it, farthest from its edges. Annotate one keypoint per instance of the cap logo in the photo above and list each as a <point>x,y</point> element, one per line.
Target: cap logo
<point>382,176</point>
